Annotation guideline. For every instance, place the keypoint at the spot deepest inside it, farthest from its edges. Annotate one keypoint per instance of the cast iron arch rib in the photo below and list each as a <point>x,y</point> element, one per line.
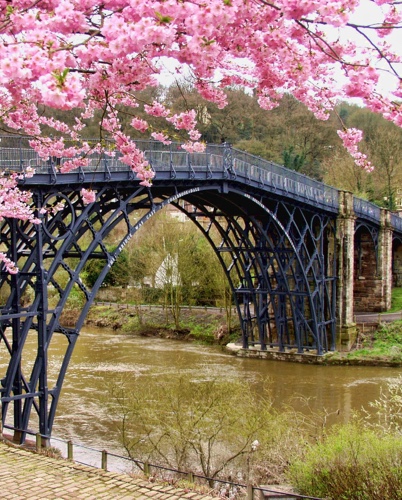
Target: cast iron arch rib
<point>272,249</point>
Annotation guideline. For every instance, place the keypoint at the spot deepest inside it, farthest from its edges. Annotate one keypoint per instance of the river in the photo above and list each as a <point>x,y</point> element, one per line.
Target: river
<point>101,355</point>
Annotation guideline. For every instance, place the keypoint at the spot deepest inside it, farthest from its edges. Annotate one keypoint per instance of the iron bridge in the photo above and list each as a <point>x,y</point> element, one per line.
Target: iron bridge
<point>272,229</point>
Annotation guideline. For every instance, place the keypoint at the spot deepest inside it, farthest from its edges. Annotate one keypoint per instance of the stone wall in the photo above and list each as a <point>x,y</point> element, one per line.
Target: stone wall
<point>367,282</point>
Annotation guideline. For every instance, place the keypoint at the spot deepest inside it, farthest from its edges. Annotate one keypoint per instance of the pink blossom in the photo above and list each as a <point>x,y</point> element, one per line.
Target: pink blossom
<point>194,135</point>
<point>74,55</point>
<point>158,136</point>
<point>134,157</point>
<point>184,120</point>
<point>69,165</point>
<point>139,124</point>
<point>157,109</point>
<point>351,138</point>
<point>194,147</point>
<point>88,196</point>
<point>8,264</point>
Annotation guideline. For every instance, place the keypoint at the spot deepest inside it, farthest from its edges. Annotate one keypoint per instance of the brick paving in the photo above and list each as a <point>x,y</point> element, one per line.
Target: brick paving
<point>28,475</point>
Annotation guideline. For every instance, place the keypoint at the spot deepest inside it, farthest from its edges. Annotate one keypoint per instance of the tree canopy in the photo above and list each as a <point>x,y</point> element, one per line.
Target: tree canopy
<point>90,55</point>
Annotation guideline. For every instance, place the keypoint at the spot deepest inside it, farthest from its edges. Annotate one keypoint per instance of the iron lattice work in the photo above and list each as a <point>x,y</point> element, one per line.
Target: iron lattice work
<point>276,260</point>
<point>280,262</point>
<point>277,249</point>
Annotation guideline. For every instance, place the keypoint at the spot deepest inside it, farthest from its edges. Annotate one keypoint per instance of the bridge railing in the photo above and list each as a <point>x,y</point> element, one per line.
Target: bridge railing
<point>217,160</point>
<point>174,158</point>
<point>366,209</point>
<point>396,222</point>
<point>284,180</point>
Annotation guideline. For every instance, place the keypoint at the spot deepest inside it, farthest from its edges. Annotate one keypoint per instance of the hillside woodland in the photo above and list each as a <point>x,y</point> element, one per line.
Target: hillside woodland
<point>289,135</point>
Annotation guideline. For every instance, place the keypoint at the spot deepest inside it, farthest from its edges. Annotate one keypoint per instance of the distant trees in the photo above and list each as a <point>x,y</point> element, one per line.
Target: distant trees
<point>167,262</point>
<point>288,134</point>
<point>382,141</point>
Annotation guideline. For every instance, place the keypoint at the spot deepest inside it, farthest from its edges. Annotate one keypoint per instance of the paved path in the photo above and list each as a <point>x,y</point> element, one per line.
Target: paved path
<point>27,475</point>
<point>362,317</point>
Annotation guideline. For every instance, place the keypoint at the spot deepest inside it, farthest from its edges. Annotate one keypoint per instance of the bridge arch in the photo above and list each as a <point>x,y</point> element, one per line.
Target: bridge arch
<point>279,269</point>
<point>273,255</point>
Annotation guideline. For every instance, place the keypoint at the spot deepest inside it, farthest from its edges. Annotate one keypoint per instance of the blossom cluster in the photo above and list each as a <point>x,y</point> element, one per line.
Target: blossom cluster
<point>351,138</point>
<point>95,56</point>
<point>85,54</point>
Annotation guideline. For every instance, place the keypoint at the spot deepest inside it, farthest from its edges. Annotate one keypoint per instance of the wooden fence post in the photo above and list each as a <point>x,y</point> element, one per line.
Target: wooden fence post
<point>104,460</point>
<point>38,442</point>
<point>69,450</point>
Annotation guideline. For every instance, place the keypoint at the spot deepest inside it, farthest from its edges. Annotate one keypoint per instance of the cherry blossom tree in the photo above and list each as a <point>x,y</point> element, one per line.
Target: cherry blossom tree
<point>96,57</point>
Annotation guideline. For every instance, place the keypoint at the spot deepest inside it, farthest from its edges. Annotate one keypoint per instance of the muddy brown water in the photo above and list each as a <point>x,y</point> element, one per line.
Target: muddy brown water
<point>102,355</point>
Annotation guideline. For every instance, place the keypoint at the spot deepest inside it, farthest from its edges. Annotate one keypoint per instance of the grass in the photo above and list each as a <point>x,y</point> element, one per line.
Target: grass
<point>383,344</point>
<point>351,462</point>
<point>396,300</point>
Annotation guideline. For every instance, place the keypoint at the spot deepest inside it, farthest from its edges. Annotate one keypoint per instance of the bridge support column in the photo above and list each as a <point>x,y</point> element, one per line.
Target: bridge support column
<point>384,267</point>
<point>345,232</point>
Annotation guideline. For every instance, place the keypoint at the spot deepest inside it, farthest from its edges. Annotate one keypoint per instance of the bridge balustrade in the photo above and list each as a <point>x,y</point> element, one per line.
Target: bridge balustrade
<point>366,209</point>
<point>17,155</point>
<point>396,222</point>
<point>284,180</point>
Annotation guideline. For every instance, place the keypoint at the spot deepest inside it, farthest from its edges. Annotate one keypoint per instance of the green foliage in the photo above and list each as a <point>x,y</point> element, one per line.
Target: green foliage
<point>293,160</point>
<point>351,463</point>
<point>76,298</point>
<point>255,147</point>
<point>396,300</point>
<point>151,295</point>
<point>117,276</point>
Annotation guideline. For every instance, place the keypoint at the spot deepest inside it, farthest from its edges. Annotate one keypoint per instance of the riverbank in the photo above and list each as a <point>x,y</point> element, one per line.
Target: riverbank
<point>381,347</point>
<point>205,325</point>
<point>352,358</point>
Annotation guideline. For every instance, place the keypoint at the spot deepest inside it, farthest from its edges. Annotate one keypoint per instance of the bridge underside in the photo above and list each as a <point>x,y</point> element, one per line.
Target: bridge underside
<point>279,259</point>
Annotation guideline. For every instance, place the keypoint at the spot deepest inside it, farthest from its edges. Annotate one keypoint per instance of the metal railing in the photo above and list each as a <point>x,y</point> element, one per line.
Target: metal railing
<point>217,161</point>
<point>366,209</point>
<point>113,462</point>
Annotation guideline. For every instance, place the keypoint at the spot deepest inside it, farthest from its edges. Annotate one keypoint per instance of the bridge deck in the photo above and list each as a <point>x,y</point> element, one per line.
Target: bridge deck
<point>218,162</point>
